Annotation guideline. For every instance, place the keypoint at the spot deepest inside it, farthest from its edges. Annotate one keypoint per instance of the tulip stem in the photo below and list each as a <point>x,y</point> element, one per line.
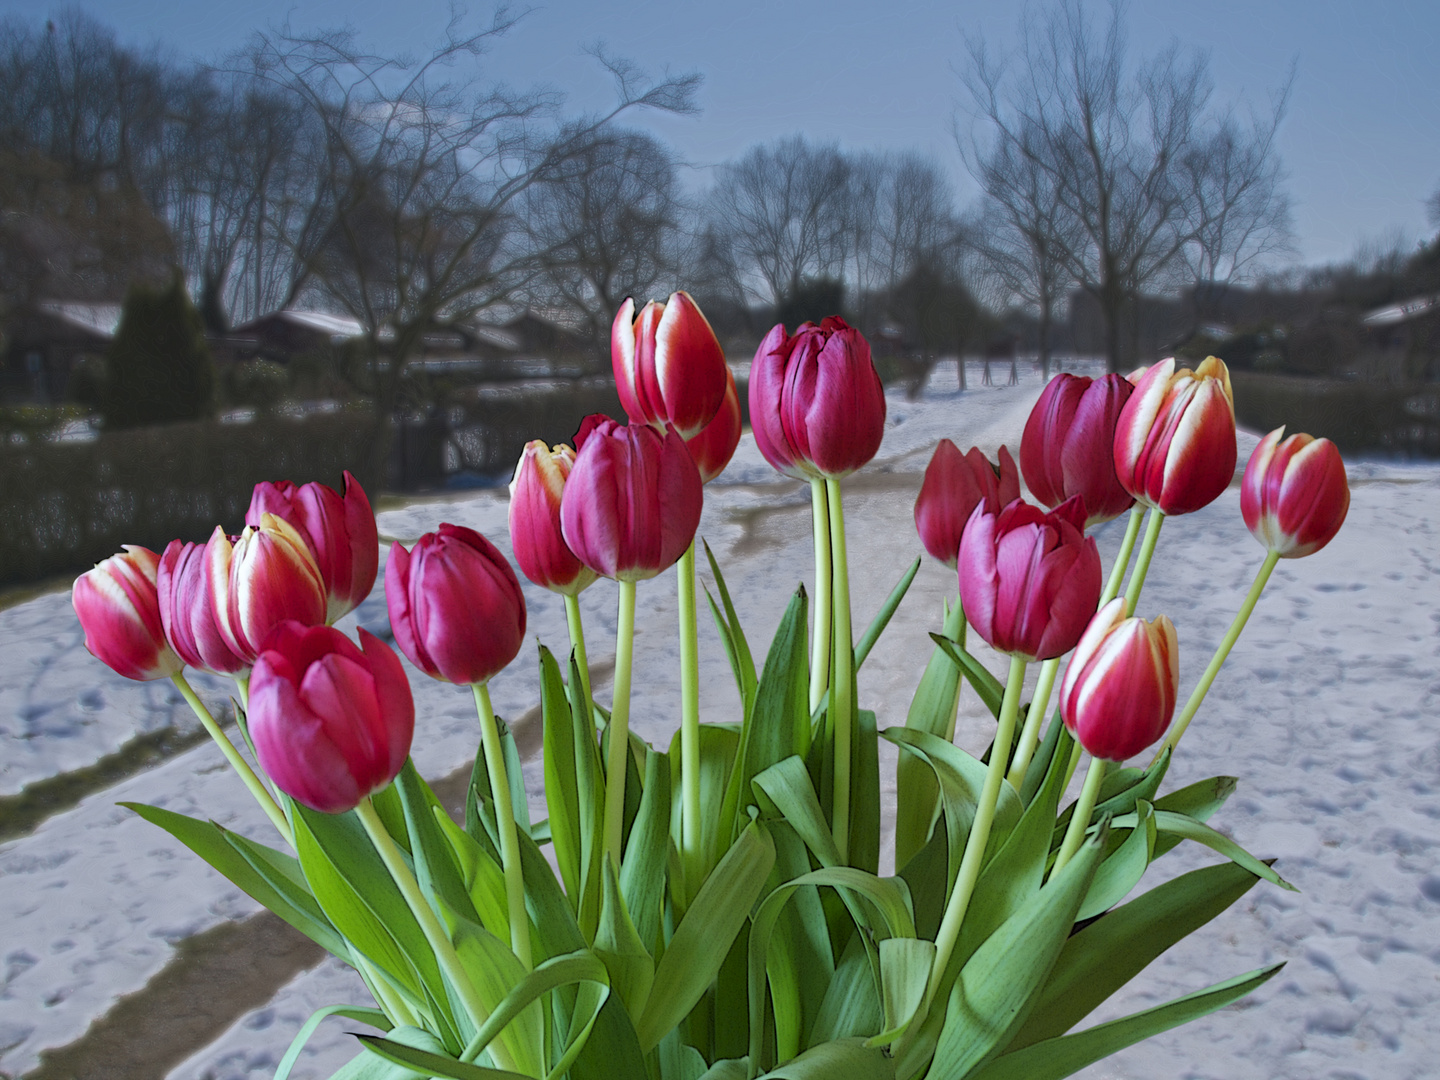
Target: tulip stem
<point>690,824</point>
<point>976,842</point>
<point>820,646</point>
<point>577,643</point>
<point>1122,557</point>
<point>1142,562</point>
<point>1084,808</point>
<point>842,704</point>
<point>1030,733</point>
<point>239,764</point>
<point>619,733</point>
<point>505,822</point>
<point>1231,636</point>
<point>424,914</point>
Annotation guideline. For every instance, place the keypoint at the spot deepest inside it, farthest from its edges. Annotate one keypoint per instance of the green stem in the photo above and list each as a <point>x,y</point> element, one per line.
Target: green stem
<point>1080,819</point>
<point>424,914</point>
<point>577,643</point>
<point>242,683</point>
<point>1030,734</point>
<point>239,764</point>
<point>505,822</point>
<point>979,837</point>
<point>1142,562</point>
<point>619,725</point>
<point>820,646</point>
<point>689,723</point>
<point>390,1002</point>
<point>842,705</point>
<point>1122,557</point>
<point>1231,636</point>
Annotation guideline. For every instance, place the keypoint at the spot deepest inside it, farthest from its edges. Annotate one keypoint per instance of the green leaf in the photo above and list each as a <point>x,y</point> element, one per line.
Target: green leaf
<point>679,1060</point>
<point>849,1059</point>
<point>1122,789</point>
<point>703,937</point>
<point>852,1004</point>
<point>729,1069</point>
<point>1122,869</point>
<point>718,747</point>
<point>865,793</point>
<point>732,636</point>
<point>1187,828</point>
<point>647,850</point>
<point>1112,950</point>
<point>905,965</point>
<point>932,710</point>
<point>801,961</point>
<point>373,1017</point>
<point>284,875</point>
<point>556,931</point>
<point>1060,1057</point>
<point>368,1066</point>
<point>883,616</point>
<point>430,1063</point>
<point>435,866</point>
<point>990,690</point>
<point>612,1050</point>
<point>787,785</point>
<point>590,795</point>
<point>562,794</point>
<point>632,971</point>
<point>1199,800</point>
<point>482,876</point>
<point>1056,741</point>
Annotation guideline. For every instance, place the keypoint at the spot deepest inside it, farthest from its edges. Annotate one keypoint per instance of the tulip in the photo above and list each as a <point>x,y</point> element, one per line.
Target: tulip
<point>1294,496</point>
<point>455,605</point>
<point>954,485</point>
<point>188,611</point>
<point>535,535</point>
<point>1118,694</point>
<point>816,403</point>
<point>632,502</point>
<point>331,723</point>
<point>119,610</point>
<point>1069,445</point>
<point>669,367</point>
<point>340,531</point>
<point>713,448</point>
<point>1030,581</point>
<point>258,580</point>
<point>1175,439</point>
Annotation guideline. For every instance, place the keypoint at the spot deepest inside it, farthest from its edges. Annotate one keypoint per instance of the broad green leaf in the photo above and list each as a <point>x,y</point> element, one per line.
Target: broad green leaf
<point>731,635</point>
<point>611,1050</point>
<point>1068,1054</point>
<point>1187,828</point>
<point>556,932</point>
<point>369,1066</point>
<point>882,617</point>
<point>647,850</point>
<point>1056,741</point>
<point>632,971</point>
<point>284,875</point>
<point>718,746</point>
<point>865,793</point>
<point>373,1017</point>
<point>801,961</point>
<point>852,1004</point>
<point>679,1060</point>
<point>435,866</point>
<point>1122,869</point>
<point>787,785</point>
<point>703,938</point>
<point>847,1058</point>
<point>590,797</point>
<point>925,874</point>
<point>905,965</point>
<point>1119,793</point>
<point>482,876</point>
<point>562,794</point>
<point>729,1069</point>
<point>932,710</point>
<point>1199,800</point>
<point>1112,950</point>
<point>430,1063</point>
<point>990,689</point>
<point>494,972</point>
<point>392,812</point>
<point>519,800</point>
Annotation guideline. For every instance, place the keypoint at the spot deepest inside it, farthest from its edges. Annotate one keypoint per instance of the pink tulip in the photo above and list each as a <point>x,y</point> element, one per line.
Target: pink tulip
<point>953,486</point>
<point>1294,496</point>
<point>1118,694</point>
<point>632,502</point>
<point>339,529</point>
<point>119,610</point>
<point>1029,580</point>
<point>188,611</point>
<point>669,367</point>
<point>1175,439</point>
<point>332,723</point>
<point>535,535</point>
<point>1069,445</point>
<point>455,605</point>
<point>816,403</point>
<point>713,448</point>
<point>258,580</point>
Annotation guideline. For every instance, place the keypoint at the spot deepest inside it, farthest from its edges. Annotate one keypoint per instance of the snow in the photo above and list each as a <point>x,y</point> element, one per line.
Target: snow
<point>1325,711</point>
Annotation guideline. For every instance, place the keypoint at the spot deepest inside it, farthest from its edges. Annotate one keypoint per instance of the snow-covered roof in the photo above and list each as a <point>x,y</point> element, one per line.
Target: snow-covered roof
<point>1403,311</point>
<point>497,336</point>
<point>99,319</point>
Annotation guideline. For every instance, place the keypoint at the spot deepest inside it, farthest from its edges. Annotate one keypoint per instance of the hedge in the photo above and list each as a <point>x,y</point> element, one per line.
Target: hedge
<point>1357,416</point>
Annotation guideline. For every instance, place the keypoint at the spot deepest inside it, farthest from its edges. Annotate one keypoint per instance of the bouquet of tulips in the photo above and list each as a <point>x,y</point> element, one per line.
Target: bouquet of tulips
<point>715,909</point>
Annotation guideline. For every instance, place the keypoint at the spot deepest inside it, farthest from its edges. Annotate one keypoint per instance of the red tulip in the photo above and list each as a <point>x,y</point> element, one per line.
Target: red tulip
<point>953,486</point>
<point>1029,580</point>
<point>535,533</point>
<point>632,502</point>
<point>331,723</point>
<point>1294,496</point>
<point>1118,694</point>
<point>187,611</point>
<point>258,580</point>
<point>816,403</point>
<point>713,448</point>
<point>339,529</point>
<point>1069,445</point>
<point>119,610</point>
<point>669,367</point>
<point>455,605</point>
<point>1175,439</point>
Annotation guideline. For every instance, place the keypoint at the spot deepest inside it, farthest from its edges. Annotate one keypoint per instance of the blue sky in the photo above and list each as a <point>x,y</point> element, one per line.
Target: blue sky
<point>1361,141</point>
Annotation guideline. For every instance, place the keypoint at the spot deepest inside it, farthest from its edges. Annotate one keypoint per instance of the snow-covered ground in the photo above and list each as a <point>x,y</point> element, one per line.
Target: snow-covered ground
<point>1327,713</point>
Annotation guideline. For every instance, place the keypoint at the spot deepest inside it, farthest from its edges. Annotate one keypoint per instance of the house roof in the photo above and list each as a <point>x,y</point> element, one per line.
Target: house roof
<point>1403,311</point>
<point>101,319</point>
<point>337,327</point>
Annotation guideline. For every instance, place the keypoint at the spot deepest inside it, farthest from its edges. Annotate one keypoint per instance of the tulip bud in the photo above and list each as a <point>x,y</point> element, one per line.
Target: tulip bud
<point>632,502</point>
<point>953,486</point>
<point>455,605</point>
<point>713,448</point>
<point>816,403</point>
<point>1029,580</point>
<point>119,610</point>
<point>669,367</point>
<point>1294,496</point>
<point>340,531</point>
<point>1069,445</point>
<point>1118,694</point>
<point>188,611</point>
<point>535,533</point>
<point>331,723</point>
<point>1175,439</point>
<point>263,577</point>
